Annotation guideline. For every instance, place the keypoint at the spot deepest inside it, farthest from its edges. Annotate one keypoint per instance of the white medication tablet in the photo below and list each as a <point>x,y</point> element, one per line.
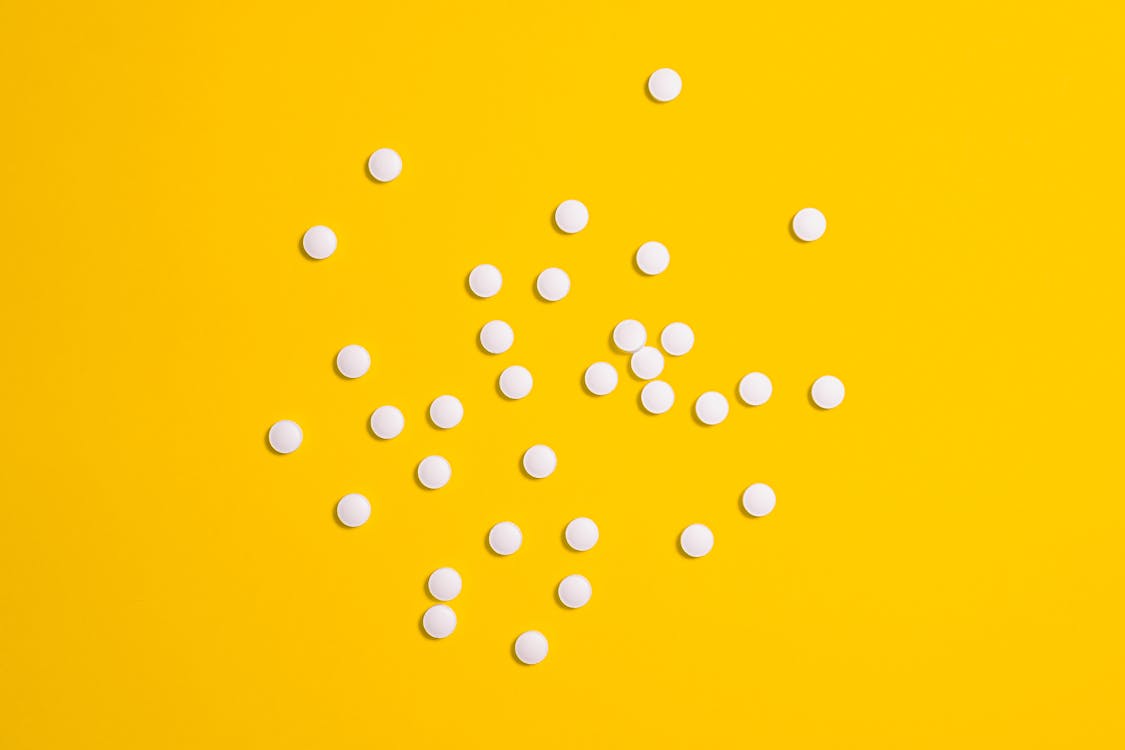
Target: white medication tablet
<point>572,216</point>
<point>485,280</point>
<point>286,436</point>
<point>539,461</point>
<point>647,363</point>
<point>497,337</point>
<point>553,284</point>
<point>581,534</point>
<point>575,591</point>
<point>665,85</point>
<point>677,339</point>
<point>653,258</point>
<point>755,389</point>
<point>827,392</point>
<point>515,382</point>
<point>600,378</point>
<point>387,422</point>
<point>657,397</point>
<point>353,510</point>
<point>505,538</point>
<point>434,472</point>
<point>439,621</point>
<point>629,336</point>
<point>385,164</point>
<point>444,584</point>
<point>809,224</point>
<point>696,540</point>
<point>759,499</point>
<point>531,647</point>
<point>353,361</point>
<point>446,412</point>
<point>319,242</point>
<point>712,408</point>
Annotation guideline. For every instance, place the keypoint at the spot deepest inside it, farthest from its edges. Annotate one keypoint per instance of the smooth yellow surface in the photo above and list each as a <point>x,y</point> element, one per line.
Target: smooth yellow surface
<point>945,564</point>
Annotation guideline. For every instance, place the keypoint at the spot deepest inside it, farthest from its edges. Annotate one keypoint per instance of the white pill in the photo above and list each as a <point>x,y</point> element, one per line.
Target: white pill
<point>653,258</point>
<point>647,363</point>
<point>446,412</point>
<point>629,336</point>
<point>387,422</point>
<point>711,408</point>
<point>515,382</point>
<point>505,538</point>
<point>575,591</point>
<point>696,540</point>
<point>539,461</point>
<point>809,224</point>
<point>485,280</point>
<point>319,242</point>
<point>601,378</point>
<point>439,621</point>
<point>553,284</point>
<point>353,361</point>
<point>827,392</point>
<point>531,647</point>
<point>665,85</point>
<point>759,499</point>
<point>572,216</point>
<point>434,472</point>
<point>657,397</point>
<point>285,436</point>
<point>385,164</point>
<point>581,534</point>
<point>677,339</point>
<point>497,337</point>
<point>755,389</point>
<point>444,584</point>
<point>353,510</point>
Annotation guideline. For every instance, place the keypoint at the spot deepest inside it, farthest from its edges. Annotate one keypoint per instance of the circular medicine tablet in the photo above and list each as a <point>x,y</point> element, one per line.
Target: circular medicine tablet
<point>809,224</point>
<point>353,510</point>
<point>712,408</point>
<point>439,621</point>
<point>434,472</point>
<point>827,392</point>
<point>665,85</point>
<point>385,164</point>
<point>657,397</point>
<point>647,363</point>
<point>653,258</point>
<point>677,339</point>
<point>553,284</point>
<point>319,242</point>
<point>497,337</point>
<point>531,647</point>
<point>581,534</point>
<point>387,422</point>
<point>444,584</point>
<point>485,280</point>
<point>515,382</point>
<point>759,499</point>
<point>539,461</point>
<point>572,216</point>
<point>446,412</point>
<point>353,361</point>
<point>629,336</point>
<point>601,378</point>
<point>696,540</point>
<point>575,591</point>
<point>755,389</point>
<point>285,436</point>
<point>505,538</point>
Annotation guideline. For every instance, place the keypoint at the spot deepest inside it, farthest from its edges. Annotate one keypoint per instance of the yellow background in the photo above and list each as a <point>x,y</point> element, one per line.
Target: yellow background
<point>944,566</point>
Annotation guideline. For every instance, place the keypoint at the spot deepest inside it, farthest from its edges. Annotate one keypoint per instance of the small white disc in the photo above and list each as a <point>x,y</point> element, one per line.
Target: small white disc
<point>677,339</point>
<point>809,224</point>
<point>434,472</point>
<point>446,412</point>
<point>629,336</point>
<point>385,164</point>
<point>755,389</point>
<point>497,337</point>
<point>444,584</point>
<point>353,510</point>
<point>657,397</point>
<point>285,436</point>
<point>572,216</point>
<point>553,284</point>
<point>828,392</point>
<point>601,378</point>
<point>485,280</point>
<point>505,538</point>
<point>353,361</point>
<point>387,422</point>
<point>696,540</point>
<point>759,499</point>
<point>712,408</point>
<point>439,621</point>
<point>531,647</point>
<point>516,382</point>
<point>575,591</point>
<point>581,534</point>
<point>647,363</point>
<point>539,461</point>
<point>665,85</point>
<point>653,258</point>
<point>319,242</point>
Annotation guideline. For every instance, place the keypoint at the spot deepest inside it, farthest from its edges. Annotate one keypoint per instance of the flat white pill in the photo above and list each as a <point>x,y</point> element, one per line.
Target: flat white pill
<point>497,337</point>
<point>319,242</point>
<point>387,422</point>
<point>696,540</point>
<point>809,224</point>
<point>755,389</point>
<point>600,378</point>
<point>539,461</point>
<point>575,591</point>
<point>677,339</point>
<point>439,621</point>
<point>553,284</point>
<point>505,538</point>
<point>759,499</point>
<point>828,392</point>
<point>653,258</point>
<point>434,472</point>
<point>515,382</point>
<point>629,336</point>
<point>353,361</point>
<point>285,436</point>
<point>531,647</point>
<point>657,397</point>
<point>446,412</point>
<point>444,584</point>
<point>353,510</point>
<point>581,534</point>
<point>665,85</point>
<point>385,164</point>
<point>572,216</point>
<point>712,408</point>
<point>485,280</point>
<point>647,363</point>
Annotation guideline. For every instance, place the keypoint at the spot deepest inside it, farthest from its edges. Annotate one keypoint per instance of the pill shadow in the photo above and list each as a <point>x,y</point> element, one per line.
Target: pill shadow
<point>793,234</point>
<point>422,627</point>
<point>367,172</point>
<point>813,404</point>
<point>551,221</point>
<point>680,549</point>
<point>648,94</point>
<point>335,517</point>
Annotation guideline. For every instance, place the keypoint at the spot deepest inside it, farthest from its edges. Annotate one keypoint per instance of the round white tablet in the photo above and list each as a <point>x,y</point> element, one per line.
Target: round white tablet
<point>755,389</point>
<point>497,337</point>
<point>446,412</point>
<point>601,378</point>
<point>653,258</point>
<point>353,510</point>
<point>827,392</point>
<point>629,336</point>
<point>647,363</point>
<point>485,280</point>
<point>539,461</point>
<point>434,472</point>
<point>553,284</point>
<point>439,621</point>
<point>353,361</point>
<point>575,591</point>
<point>665,85</point>
<point>319,242</point>
<point>505,538</point>
<point>387,422</point>
<point>385,164</point>
<point>572,216</point>
<point>696,540</point>
<point>712,408</point>
<point>531,647</point>
<point>285,436</point>
<point>444,584</point>
<point>657,397</point>
<point>581,534</point>
<point>515,382</point>
<point>809,224</point>
<point>759,499</point>
<point>677,339</point>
